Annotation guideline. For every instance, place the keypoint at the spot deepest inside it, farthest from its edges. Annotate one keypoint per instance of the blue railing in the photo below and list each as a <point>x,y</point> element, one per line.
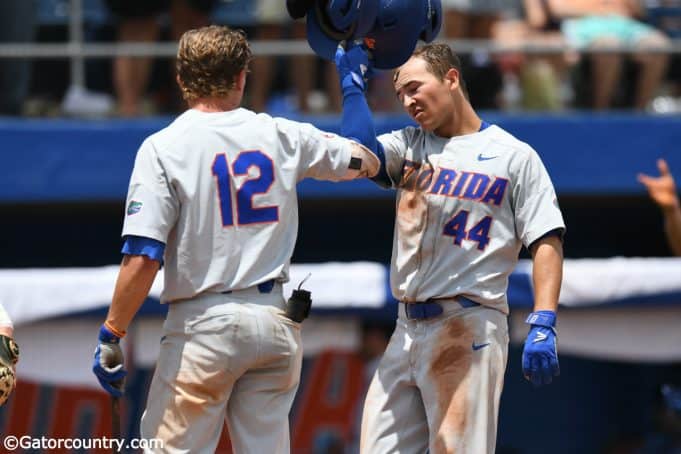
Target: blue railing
<point>75,160</point>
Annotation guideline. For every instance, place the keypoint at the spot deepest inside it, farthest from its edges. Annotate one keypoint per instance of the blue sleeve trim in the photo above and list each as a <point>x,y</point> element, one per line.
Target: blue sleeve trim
<point>140,245</point>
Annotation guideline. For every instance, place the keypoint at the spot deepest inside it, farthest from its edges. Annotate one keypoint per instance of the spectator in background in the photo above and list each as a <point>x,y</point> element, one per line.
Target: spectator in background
<point>138,22</point>
<point>274,23</point>
<point>665,15</point>
<point>472,19</point>
<point>535,81</point>
<point>663,191</point>
<point>544,77</point>
<point>475,19</point>
<point>593,24</point>
<point>17,25</point>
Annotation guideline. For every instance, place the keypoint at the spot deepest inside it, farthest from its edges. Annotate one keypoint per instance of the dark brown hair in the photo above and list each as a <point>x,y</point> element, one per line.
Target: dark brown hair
<point>439,59</point>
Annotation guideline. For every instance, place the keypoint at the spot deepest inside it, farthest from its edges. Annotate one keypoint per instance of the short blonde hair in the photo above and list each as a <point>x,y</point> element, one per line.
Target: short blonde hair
<point>209,60</point>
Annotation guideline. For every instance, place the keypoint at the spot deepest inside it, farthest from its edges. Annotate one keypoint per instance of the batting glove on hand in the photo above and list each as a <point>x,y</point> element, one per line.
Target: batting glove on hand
<point>108,362</point>
<point>353,65</point>
<point>540,357</point>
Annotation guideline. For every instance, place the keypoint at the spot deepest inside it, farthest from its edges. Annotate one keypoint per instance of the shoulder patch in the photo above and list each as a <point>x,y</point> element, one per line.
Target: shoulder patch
<point>134,207</point>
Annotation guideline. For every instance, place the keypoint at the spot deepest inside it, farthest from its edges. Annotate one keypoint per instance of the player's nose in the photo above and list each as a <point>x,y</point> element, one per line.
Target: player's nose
<point>407,102</point>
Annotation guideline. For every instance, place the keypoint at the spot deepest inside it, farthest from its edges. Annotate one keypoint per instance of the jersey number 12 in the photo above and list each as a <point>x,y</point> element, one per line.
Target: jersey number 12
<point>245,211</point>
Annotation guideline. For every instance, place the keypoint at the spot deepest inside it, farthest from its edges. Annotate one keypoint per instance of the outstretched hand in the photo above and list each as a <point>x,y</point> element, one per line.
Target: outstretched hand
<point>661,189</point>
<point>353,65</point>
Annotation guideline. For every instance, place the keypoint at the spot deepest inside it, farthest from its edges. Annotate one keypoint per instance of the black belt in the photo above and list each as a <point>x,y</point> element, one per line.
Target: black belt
<point>431,308</point>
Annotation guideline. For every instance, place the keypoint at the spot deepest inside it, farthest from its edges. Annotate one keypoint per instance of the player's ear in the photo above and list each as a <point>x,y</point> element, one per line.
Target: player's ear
<point>452,77</point>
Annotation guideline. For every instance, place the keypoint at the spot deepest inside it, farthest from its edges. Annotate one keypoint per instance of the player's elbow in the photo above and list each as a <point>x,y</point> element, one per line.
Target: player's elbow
<point>363,163</point>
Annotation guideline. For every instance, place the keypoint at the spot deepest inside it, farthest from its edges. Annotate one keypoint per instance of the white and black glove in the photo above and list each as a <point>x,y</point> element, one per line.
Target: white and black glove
<point>108,363</point>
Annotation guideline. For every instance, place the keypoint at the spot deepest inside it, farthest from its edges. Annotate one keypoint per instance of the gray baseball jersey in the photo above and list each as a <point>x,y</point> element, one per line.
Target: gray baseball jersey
<point>465,207</point>
<point>220,190</point>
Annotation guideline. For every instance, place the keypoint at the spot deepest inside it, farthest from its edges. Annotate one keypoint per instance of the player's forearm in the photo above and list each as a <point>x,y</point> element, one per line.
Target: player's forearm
<point>134,281</point>
<point>364,164</point>
<point>547,273</point>
<point>672,216</point>
<point>357,122</point>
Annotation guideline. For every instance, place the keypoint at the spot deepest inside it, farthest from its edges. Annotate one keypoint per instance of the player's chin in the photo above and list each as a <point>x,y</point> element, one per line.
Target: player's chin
<point>422,120</point>
<point>425,124</point>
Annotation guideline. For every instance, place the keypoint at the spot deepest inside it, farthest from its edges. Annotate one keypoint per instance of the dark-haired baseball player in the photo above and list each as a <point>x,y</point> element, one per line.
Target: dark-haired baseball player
<point>469,197</point>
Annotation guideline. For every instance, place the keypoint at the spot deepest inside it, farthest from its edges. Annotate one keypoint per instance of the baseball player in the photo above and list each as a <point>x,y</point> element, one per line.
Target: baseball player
<point>212,199</point>
<point>9,355</point>
<point>469,196</point>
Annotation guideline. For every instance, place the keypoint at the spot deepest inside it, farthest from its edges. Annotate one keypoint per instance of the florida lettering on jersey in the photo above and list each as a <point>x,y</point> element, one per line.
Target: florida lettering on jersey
<point>453,183</point>
<point>465,207</point>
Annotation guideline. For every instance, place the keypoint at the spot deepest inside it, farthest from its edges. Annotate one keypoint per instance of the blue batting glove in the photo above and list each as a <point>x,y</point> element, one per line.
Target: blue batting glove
<point>108,363</point>
<point>353,65</point>
<point>540,357</point>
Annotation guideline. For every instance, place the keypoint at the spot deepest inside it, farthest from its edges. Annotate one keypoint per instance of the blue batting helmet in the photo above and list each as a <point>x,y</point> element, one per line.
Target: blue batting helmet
<point>298,8</point>
<point>398,27</point>
<point>433,20</point>
<point>332,21</point>
<point>391,28</point>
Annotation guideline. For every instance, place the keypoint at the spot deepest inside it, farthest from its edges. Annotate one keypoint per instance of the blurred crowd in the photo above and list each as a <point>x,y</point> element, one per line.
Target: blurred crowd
<point>581,67</point>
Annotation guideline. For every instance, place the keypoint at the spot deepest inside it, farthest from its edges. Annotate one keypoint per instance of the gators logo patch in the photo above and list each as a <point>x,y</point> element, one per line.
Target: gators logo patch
<point>134,207</point>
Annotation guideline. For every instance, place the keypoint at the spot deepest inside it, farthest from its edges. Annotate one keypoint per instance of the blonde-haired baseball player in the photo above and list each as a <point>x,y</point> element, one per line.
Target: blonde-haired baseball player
<point>212,199</point>
<point>469,197</point>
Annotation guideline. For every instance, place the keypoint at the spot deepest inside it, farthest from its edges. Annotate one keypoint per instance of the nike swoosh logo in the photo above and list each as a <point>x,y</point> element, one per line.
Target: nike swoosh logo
<point>479,346</point>
<point>486,158</point>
